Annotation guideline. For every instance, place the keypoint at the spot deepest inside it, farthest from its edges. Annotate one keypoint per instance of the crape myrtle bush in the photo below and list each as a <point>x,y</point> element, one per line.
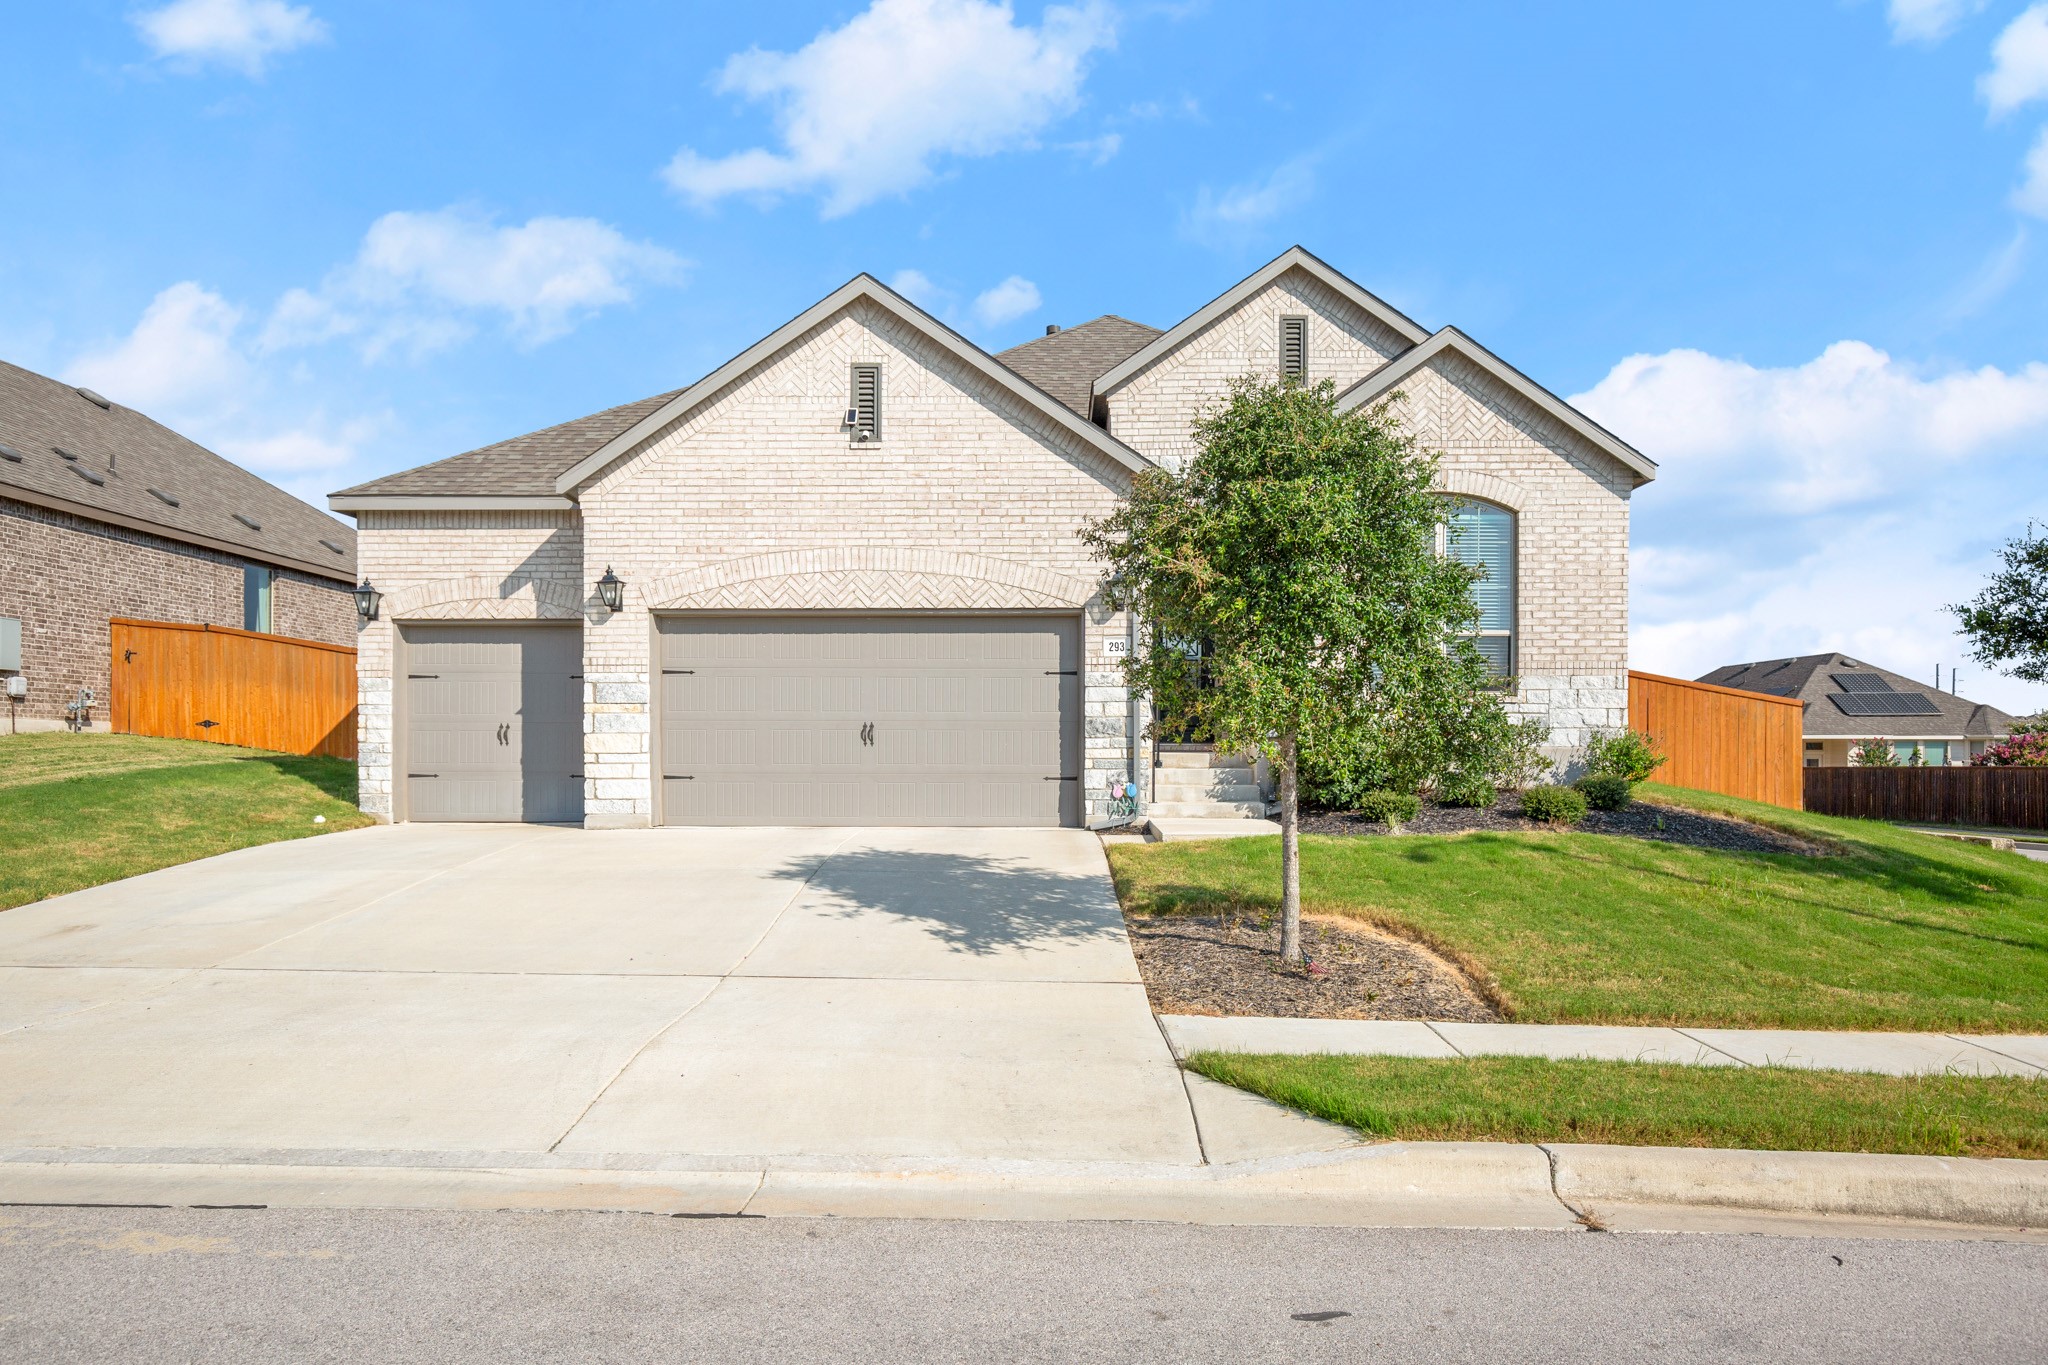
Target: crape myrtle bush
<point>2027,747</point>
<point>1554,805</point>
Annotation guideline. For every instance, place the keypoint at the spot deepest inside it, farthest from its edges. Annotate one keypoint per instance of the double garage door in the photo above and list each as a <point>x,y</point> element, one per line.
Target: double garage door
<point>867,720</point>
<point>874,720</point>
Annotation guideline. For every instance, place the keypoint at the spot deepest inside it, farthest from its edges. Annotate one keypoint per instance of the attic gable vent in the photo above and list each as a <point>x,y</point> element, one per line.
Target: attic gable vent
<point>89,396</point>
<point>1294,348</point>
<point>864,414</point>
<point>165,498</point>
<point>249,522</point>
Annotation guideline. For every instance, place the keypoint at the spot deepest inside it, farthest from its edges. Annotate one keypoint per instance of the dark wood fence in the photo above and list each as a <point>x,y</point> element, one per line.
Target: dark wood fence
<point>233,687</point>
<point>2002,798</point>
<point>1720,739</point>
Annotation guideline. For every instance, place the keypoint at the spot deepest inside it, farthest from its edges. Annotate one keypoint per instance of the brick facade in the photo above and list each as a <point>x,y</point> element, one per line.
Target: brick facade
<point>1570,500</point>
<point>65,576</point>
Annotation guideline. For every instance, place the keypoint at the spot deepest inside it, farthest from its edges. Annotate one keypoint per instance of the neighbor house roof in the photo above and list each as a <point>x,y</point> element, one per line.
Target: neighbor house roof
<point>1294,258</point>
<point>1067,363</point>
<point>1822,680</point>
<point>1388,377</point>
<point>71,450</point>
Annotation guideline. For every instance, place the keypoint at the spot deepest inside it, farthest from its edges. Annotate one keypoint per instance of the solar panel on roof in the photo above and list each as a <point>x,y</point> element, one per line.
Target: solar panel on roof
<point>1883,704</point>
<point>1861,682</point>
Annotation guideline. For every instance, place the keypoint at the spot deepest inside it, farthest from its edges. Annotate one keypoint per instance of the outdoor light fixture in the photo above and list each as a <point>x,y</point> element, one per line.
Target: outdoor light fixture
<point>611,590</point>
<point>367,600</point>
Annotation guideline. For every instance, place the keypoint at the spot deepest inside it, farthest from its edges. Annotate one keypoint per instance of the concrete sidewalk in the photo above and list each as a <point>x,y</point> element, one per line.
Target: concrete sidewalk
<point>1893,1054</point>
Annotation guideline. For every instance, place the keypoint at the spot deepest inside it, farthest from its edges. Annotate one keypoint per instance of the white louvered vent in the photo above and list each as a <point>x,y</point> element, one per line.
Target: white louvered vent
<point>864,416</point>
<point>1294,348</point>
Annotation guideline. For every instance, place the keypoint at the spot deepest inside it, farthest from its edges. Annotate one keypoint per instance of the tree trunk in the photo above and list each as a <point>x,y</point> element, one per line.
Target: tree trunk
<point>1290,854</point>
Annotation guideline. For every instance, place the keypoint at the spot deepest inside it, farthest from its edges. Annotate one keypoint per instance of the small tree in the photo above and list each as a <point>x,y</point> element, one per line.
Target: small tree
<point>1300,548</point>
<point>1876,753</point>
<point>2007,623</point>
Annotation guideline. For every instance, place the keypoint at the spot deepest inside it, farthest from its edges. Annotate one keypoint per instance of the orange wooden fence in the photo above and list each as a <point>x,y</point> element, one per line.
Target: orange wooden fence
<point>234,687</point>
<point>1721,739</point>
<point>2003,798</point>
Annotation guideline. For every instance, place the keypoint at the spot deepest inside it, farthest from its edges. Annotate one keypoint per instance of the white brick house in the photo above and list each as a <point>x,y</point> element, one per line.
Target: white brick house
<point>851,586</point>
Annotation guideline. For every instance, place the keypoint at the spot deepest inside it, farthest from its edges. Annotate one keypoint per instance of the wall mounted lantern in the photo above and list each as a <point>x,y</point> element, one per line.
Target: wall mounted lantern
<point>367,600</point>
<point>611,590</point>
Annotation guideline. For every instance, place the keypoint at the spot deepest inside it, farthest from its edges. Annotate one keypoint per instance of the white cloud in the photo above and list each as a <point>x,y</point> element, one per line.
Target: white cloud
<point>917,286</point>
<point>2019,63</point>
<point>243,34</point>
<point>2032,196</point>
<point>864,110</point>
<point>1097,151</point>
<point>185,365</point>
<point>1928,21</point>
<point>1231,214</point>
<point>420,279</point>
<point>1839,504</point>
<point>1849,425</point>
<point>1014,298</point>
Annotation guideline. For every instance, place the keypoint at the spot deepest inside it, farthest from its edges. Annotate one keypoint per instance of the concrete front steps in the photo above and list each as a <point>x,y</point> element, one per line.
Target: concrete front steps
<point>1199,784</point>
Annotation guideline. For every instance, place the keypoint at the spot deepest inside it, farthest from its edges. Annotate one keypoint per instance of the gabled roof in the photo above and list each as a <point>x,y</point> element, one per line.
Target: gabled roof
<point>130,471</point>
<point>1294,258</point>
<point>1388,377</point>
<point>1812,679</point>
<point>1066,364</point>
<point>860,287</point>
<point>518,472</point>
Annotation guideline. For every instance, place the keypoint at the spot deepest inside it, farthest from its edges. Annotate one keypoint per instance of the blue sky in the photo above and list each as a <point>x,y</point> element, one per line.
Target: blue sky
<point>1792,250</point>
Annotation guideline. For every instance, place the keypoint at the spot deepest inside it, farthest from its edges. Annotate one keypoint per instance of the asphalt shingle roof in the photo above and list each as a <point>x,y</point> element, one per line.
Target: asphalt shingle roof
<point>525,466</point>
<point>121,455</point>
<point>1067,363</point>
<point>1811,679</point>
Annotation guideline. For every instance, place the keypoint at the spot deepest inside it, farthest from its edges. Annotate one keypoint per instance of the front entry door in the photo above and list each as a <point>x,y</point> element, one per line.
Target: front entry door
<point>494,722</point>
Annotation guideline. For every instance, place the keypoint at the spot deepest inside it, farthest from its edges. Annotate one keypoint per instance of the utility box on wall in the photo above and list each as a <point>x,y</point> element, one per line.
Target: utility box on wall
<point>10,644</point>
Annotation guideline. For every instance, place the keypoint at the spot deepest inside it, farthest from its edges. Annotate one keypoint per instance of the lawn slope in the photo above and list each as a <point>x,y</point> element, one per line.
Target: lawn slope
<point>1888,930</point>
<point>79,810</point>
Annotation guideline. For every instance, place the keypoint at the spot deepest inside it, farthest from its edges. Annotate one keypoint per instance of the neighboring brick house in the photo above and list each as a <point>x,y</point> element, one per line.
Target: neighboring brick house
<point>1848,701</point>
<point>848,578</point>
<point>105,513</point>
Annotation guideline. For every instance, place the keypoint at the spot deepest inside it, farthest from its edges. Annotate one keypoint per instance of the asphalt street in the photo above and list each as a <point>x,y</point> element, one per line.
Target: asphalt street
<point>101,1284</point>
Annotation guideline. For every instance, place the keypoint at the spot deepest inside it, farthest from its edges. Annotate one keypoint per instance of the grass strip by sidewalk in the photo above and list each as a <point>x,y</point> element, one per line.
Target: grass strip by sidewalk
<point>79,810</point>
<point>1650,1104</point>
<point>1888,930</point>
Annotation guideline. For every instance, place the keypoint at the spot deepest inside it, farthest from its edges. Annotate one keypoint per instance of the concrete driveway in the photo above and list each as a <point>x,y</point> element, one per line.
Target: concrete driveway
<point>467,990</point>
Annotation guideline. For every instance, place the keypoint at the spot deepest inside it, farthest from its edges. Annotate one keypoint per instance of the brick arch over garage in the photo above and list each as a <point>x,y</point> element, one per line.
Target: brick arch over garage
<point>487,597</point>
<point>865,579</point>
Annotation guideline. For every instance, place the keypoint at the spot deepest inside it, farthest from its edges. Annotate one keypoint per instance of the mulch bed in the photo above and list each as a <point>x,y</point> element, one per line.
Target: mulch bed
<point>1230,964</point>
<point>1638,820</point>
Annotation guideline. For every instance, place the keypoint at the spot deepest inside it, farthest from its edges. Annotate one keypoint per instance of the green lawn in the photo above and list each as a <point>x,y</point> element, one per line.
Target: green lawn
<point>78,810</point>
<point>1651,1104</point>
<point>1889,930</point>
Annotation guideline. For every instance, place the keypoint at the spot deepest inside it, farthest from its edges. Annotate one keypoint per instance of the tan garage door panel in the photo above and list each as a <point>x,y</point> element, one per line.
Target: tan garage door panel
<point>494,722</point>
<point>870,720</point>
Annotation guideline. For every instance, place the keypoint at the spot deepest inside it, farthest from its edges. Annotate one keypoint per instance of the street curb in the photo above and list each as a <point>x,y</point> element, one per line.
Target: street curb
<point>1994,1192</point>
<point>1496,1185</point>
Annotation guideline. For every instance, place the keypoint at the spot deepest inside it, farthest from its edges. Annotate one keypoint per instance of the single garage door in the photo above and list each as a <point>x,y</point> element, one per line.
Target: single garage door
<point>883,720</point>
<point>494,722</point>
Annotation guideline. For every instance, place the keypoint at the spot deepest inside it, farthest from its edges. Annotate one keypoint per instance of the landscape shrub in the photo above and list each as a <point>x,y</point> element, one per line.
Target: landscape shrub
<point>2027,748</point>
<point>1467,789</point>
<point>1393,808</point>
<point>1554,805</point>
<point>1629,755</point>
<point>1605,791</point>
<point>1876,753</point>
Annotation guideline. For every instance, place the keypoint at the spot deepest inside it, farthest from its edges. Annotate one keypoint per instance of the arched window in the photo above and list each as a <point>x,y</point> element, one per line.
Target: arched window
<point>1483,535</point>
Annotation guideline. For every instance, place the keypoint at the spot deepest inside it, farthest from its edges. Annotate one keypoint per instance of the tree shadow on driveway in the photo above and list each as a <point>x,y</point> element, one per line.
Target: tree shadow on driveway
<point>971,902</point>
